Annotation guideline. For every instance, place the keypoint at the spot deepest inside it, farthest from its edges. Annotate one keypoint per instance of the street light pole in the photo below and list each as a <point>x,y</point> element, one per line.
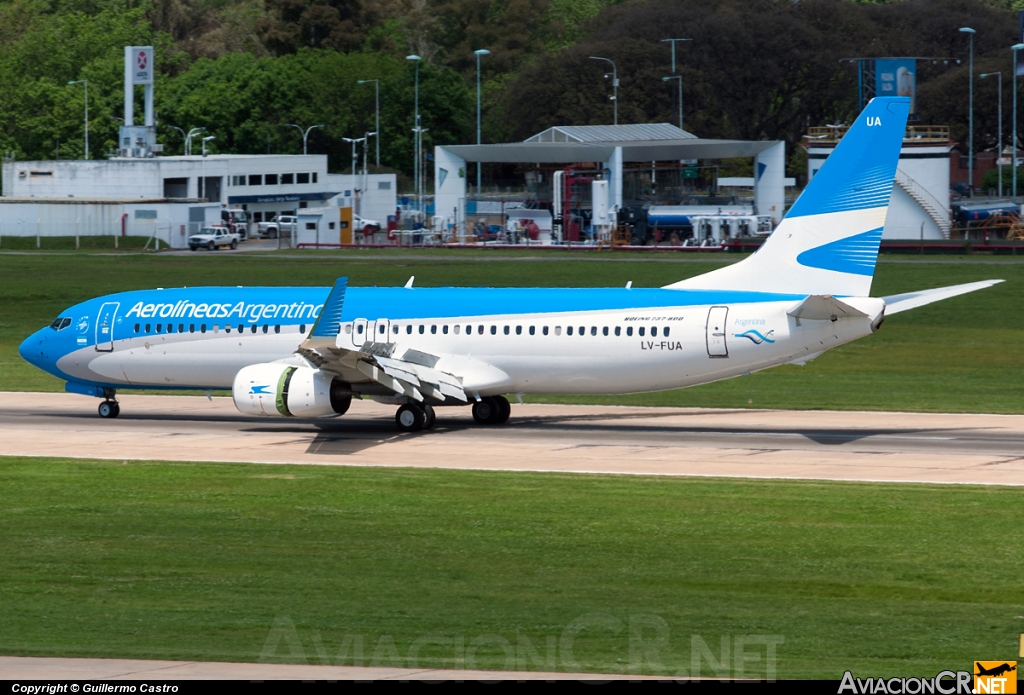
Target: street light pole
<point>999,159</point>
<point>680,79</point>
<point>970,114</point>
<point>615,84</point>
<point>478,53</point>
<point>416,123</point>
<point>305,133</point>
<point>202,171</point>
<point>1013,146</point>
<point>180,130</point>
<point>86,84</point>
<point>188,139</point>
<point>355,157</point>
<point>673,42</point>
<point>376,110</point>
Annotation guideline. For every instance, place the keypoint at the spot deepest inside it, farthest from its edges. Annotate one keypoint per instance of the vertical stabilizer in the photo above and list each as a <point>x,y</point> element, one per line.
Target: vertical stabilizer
<point>828,241</point>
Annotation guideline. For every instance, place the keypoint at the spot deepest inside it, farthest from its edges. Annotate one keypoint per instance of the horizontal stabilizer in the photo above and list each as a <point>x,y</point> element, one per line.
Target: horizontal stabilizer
<point>911,300</point>
<point>824,307</point>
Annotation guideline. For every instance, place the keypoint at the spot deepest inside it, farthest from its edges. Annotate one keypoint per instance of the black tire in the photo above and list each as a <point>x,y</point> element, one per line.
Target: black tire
<point>504,410</point>
<point>109,410</point>
<point>430,417</point>
<point>192,247</point>
<point>409,418</point>
<point>485,411</point>
<point>117,408</point>
<point>234,243</point>
<point>210,246</point>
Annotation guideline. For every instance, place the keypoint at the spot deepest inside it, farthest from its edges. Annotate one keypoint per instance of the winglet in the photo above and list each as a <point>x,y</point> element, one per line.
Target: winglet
<point>328,324</point>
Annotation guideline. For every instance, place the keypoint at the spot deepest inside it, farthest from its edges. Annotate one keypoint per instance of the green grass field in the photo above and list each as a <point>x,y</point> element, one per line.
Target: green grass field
<point>960,355</point>
<point>197,561</point>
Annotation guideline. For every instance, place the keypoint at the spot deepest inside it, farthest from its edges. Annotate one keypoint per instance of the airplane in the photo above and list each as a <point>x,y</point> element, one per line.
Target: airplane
<point>308,351</point>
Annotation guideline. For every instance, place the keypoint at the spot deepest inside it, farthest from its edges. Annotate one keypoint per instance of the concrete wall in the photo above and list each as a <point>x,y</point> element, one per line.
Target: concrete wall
<point>378,195</point>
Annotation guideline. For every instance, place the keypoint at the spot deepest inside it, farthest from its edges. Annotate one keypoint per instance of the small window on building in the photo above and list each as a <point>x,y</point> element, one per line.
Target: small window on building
<point>287,178</point>
<point>255,179</point>
<point>311,226</point>
<point>314,177</point>
<point>270,179</point>
<point>303,178</point>
<point>383,185</point>
<point>257,217</point>
<point>330,225</point>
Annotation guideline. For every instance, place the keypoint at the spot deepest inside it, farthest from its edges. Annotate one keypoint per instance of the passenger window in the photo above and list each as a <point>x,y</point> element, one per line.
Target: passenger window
<point>664,331</point>
<point>148,326</point>
<point>654,331</point>
<point>408,329</point>
<point>159,327</point>
<point>422,328</point>
<point>227,328</point>
<point>618,330</point>
<point>192,328</point>
<point>302,328</point>
<point>136,328</point>
<point>181,328</point>
<point>277,328</point>
<point>266,328</point>
<point>593,330</point>
<point>558,330</point>
<point>519,330</point>
<point>629,330</point>
<point>394,329</point>
<point>583,330</point>
<point>457,329</point>
<point>641,330</point>
<point>444,329</point>
<point>604,330</point>
<point>532,330</point>
<point>568,331</point>
<point>202,328</point>
<point>216,328</point>
<point>241,328</point>
<point>506,330</point>
<point>359,329</point>
<point>544,330</point>
<point>433,329</point>
<point>480,330</point>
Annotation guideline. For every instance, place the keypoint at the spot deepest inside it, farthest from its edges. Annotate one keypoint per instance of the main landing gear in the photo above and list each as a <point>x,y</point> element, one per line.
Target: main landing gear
<point>413,417</point>
<point>492,410</point>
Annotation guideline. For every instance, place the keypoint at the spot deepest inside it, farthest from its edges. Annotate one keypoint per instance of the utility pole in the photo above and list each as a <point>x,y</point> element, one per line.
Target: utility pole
<point>999,160</point>
<point>376,110</point>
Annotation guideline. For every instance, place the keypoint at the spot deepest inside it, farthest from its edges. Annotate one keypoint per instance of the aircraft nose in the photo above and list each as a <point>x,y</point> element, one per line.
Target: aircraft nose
<point>31,349</point>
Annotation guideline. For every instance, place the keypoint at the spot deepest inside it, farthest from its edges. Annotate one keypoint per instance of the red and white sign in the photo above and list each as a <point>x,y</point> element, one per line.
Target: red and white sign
<point>141,64</point>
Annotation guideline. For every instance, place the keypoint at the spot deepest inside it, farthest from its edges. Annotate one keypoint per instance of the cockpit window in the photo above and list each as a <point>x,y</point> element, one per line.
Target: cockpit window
<point>60,323</point>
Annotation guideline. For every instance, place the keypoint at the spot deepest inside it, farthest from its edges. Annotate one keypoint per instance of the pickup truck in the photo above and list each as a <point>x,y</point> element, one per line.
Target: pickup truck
<point>274,227</point>
<point>213,238</point>
<point>361,224</point>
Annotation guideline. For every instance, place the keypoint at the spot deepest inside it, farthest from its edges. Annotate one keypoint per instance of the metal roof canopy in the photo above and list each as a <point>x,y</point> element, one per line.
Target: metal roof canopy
<point>632,151</point>
<point>611,133</point>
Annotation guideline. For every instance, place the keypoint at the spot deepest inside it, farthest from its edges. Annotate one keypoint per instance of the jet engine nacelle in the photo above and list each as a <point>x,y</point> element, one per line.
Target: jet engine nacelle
<point>281,390</point>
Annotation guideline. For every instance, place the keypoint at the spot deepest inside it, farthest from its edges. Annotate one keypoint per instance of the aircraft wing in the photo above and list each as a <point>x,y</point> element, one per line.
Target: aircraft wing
<point>911,300</point>
<point>405,372</point>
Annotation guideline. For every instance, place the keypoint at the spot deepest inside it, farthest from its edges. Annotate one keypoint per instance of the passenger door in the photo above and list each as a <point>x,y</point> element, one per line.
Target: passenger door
<point>717,317</point>
<point>379,331</point>
<point>359,333</point>
<point>105,326</point>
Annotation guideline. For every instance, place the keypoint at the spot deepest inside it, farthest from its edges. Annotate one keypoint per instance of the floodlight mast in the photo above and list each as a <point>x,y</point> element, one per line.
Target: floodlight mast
<point>615,84</point>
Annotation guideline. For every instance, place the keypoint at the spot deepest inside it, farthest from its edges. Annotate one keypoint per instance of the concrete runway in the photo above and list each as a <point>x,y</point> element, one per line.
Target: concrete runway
<point>822,445</point>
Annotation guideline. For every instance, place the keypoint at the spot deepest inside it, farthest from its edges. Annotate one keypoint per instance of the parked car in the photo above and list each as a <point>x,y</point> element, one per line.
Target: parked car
<point>273,228</point>
<point>213,238</point>
<point>364,225</point>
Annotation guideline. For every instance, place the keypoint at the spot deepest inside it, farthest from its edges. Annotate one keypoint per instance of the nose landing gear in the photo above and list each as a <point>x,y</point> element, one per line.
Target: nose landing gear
<point>109,409</point>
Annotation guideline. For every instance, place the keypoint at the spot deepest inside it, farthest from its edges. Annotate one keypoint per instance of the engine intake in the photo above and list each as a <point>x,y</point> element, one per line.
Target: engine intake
<point>281,390</point>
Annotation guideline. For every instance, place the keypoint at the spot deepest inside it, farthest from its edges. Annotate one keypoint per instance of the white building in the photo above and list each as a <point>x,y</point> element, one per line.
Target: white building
<point>919,206</point>
<point>265,185</point>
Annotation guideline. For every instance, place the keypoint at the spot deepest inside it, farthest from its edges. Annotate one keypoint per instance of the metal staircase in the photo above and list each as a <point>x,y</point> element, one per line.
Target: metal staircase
<point>935,209</point>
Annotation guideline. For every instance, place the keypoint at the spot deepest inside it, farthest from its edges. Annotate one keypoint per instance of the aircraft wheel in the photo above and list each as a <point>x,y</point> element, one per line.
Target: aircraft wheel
<point>410,418</point>
<point>504,410</point>
<point>486,411</point>
<point>109,409</point>
<point>429,417</point>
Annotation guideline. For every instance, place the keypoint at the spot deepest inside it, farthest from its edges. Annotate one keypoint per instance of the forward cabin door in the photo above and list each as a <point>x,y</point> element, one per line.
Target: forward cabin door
<point>359,333</point>
<point>379,331</point>
<point>105,326</point>
<point>716,331</point>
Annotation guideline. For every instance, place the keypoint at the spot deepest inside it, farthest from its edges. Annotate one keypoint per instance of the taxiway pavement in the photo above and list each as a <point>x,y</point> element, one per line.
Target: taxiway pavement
<point>825,445</point>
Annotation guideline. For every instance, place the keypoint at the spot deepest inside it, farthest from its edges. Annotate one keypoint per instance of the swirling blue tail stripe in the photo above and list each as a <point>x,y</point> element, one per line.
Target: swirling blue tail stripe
<point>855,254</point>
